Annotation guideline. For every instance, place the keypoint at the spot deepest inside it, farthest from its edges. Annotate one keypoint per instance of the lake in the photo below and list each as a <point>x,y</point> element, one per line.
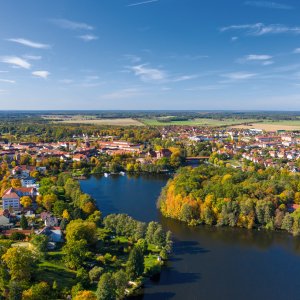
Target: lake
<point>208,262</point>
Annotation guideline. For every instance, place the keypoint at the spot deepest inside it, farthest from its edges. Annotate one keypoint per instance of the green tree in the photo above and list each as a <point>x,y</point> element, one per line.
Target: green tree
<point>40,243</point>
<point>106,288</point>
<point>121,282</point>
<point>23,222</point>
<point>135,263</point>
<point>20,262</point>
<point>75,253</point>
<point>81,230</point>
<point>95,273</point>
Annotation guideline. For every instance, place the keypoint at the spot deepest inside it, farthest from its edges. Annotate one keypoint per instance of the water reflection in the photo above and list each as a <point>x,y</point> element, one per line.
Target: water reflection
<point>208,262</point>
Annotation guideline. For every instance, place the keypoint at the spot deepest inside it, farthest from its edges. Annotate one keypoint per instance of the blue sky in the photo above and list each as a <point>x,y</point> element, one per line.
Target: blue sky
<point>150,54</point>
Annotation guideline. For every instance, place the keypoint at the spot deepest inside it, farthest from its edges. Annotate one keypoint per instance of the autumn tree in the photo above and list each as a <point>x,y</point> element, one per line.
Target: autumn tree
<point>25,201</point>
<point>85,295</point>
<point>16,183</point>
<point>39,291</point>
<point>49,200</point>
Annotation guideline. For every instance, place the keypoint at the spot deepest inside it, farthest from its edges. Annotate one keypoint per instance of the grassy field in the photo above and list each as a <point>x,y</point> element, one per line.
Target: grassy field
<point>112,122</point>
<point>273,125</point>
<point>198,122</point>
<point>53,269</point>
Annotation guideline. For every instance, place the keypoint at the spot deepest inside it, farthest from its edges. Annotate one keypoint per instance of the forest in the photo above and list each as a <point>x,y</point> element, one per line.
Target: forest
<point>230,197</point>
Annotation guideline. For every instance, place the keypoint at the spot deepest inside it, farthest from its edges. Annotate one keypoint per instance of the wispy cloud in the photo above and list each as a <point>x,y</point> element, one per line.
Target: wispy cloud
<point>239,75</point>
<point>142,3</point>
<point>297,51</point>
<point>267,63</point>
<point>41,74</point>
<point>67,24</point>
<point>184,78</point>
<point>268,4</point>
<point>148,74</point>
<point>32,57</point>
<point>88,37</point>
<point>262,59</point>
<point>7,81</point>
<point>259,29</point>
<point>29,43</point>
<point>258,57</point>
<point>123,94</point>
<point>15,61</point>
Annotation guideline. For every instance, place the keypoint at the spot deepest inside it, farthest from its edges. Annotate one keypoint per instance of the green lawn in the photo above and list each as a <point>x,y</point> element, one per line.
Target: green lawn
<point>283,122</point>
<point>198,122</point>
<point>53,269</point>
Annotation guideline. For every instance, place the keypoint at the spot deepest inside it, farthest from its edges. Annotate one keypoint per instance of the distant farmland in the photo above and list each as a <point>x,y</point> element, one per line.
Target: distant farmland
<point>197,122</point>
<point>112,122</point>
<point>79,119</point>
<point>273,125</point>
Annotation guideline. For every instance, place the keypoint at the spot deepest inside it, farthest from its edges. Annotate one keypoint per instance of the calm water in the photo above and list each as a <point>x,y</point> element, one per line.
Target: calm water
<point>208,263</point>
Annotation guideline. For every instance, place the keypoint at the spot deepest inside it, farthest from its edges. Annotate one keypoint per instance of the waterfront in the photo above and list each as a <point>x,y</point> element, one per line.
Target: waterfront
<point>208,263</point>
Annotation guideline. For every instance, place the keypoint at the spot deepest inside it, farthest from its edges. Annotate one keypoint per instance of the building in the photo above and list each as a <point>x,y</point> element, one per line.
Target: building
<point>10,199</point>
<point>28,182</point>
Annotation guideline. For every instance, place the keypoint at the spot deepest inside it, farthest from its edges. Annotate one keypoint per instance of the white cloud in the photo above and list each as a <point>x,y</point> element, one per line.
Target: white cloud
<point>88,37</point>
<point>67,24</point>
<point>15,61</point>
<point>7,81</point>
<point>267,63</point>
<point>234,38</point>
<point>297,51</point>
<point>142,3</point>
<point>259,29</point>
<point>268,4</point>
<point>123,94</point>
<point>258,57</point>
<point>184,78</point>
<point>32,57</point>
<point>148,74</point>
<point>29,43</point>
<point>239,75</point>
<point>41,74</point>
<point>262,59</point>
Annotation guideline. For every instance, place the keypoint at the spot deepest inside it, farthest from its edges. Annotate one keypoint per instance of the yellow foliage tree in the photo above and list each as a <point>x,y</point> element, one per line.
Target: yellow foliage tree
<point>25,201</point>
<point>89,207</point>
<point>85,295</point>
<point>66,215</point>
<point>15,183</point>
<point>49,200</point>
